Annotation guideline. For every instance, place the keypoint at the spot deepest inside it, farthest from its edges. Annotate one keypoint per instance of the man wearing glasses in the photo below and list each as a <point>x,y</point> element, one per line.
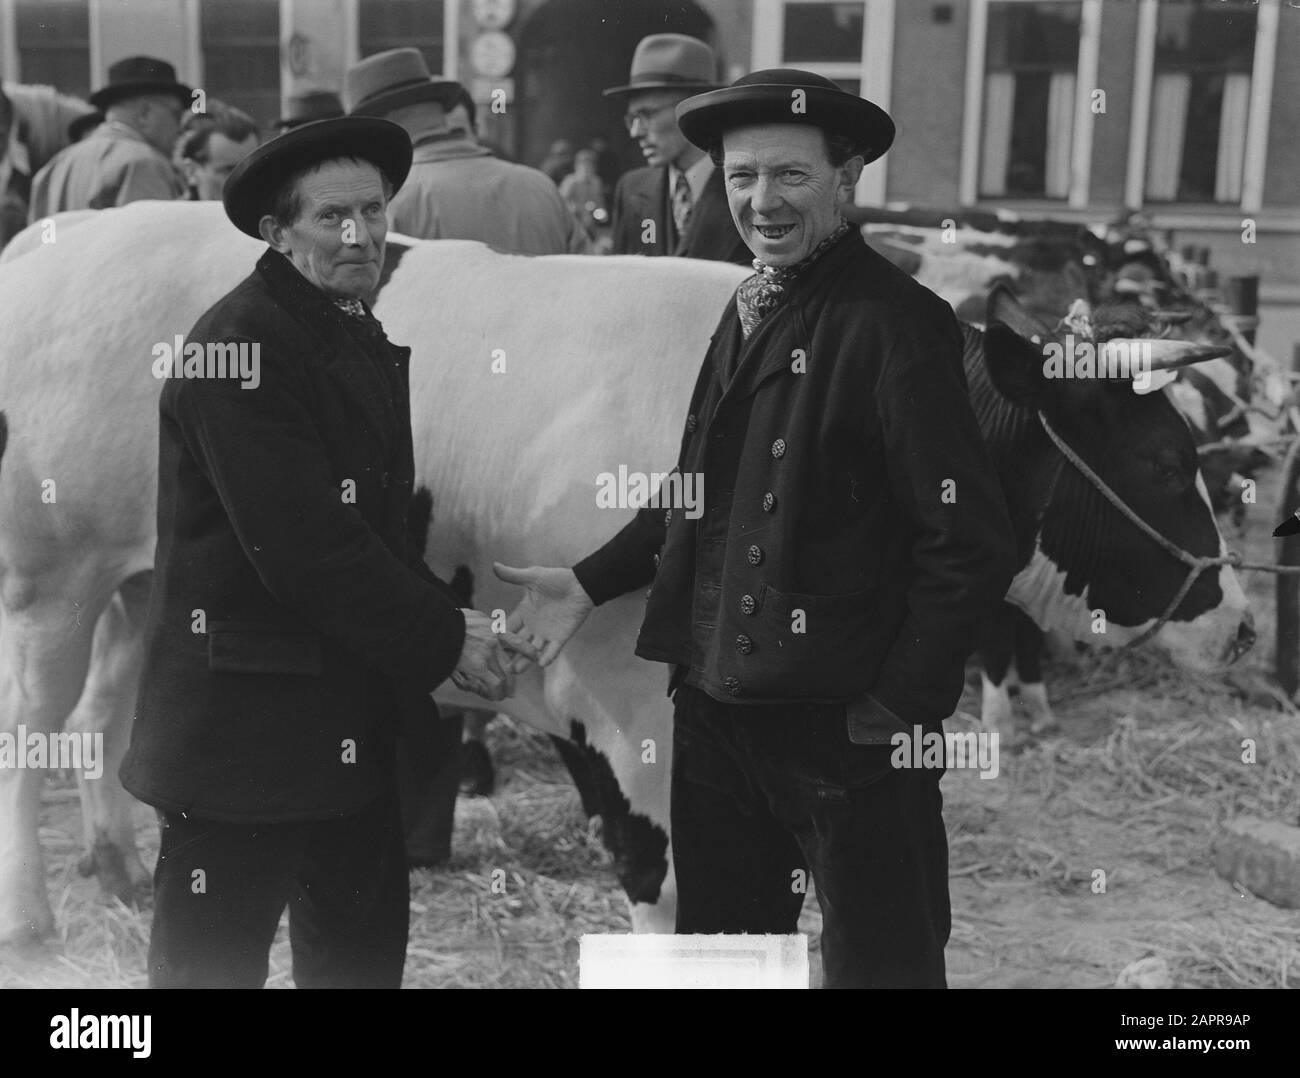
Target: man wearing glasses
<point>676,204</point>
<point>126,158</point>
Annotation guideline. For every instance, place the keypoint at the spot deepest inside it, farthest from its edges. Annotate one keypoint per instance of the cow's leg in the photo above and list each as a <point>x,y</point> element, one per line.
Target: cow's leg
<point>45,644</point>
<point>104,711</point>
<point>996,654</point>
<point>478,777</point>
<point>1029,641</point>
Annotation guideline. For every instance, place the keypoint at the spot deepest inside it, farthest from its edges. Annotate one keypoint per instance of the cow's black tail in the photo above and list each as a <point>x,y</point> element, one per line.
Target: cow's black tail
<point>419,520</point>
<point>4,435</point>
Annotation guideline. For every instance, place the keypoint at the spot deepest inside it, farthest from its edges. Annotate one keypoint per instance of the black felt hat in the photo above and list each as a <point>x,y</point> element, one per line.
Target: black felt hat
<point>786,95</point>
<point>256,180</point>
<point>136,76</point>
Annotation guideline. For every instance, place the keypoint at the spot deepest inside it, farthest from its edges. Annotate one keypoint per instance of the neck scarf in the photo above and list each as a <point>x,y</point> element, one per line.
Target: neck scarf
<point>762,293</point>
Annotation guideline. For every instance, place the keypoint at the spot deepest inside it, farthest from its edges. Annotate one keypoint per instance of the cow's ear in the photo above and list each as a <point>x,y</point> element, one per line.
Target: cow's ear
<point>1004,307</point>
<point>1015,365</point>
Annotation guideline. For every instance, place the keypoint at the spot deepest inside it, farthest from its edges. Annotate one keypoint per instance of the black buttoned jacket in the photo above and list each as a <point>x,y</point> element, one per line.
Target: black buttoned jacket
<point>290,627</point>
<point>865,535</point>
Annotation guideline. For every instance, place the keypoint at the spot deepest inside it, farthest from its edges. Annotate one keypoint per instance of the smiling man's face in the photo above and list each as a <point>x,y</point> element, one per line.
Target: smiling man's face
<point>784,193</point>
<point>337,239</point>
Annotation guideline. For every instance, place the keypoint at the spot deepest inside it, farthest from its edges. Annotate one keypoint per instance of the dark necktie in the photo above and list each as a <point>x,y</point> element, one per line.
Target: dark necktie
<point>682,203</point>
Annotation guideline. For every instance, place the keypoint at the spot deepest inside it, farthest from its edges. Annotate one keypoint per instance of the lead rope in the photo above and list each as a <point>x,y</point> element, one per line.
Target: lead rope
<point>1196,565</point>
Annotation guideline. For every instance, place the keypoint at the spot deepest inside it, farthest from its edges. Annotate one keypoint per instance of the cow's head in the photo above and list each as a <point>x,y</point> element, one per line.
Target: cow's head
<point>1092,572</point>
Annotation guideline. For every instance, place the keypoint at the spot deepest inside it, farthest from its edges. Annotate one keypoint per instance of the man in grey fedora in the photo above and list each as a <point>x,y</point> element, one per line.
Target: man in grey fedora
<point>675,205</point>
<point>457,189</point>
<point>126,158</point>
<point>825,602</point>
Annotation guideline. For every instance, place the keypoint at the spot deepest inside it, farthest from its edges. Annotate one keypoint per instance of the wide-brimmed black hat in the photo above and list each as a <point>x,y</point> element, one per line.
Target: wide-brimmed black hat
<point>255,181</point>
<point>310,105</point>
<point>136,76</point>
<point>670,62</point>
<point>392,79</point>
<point>773,96</point>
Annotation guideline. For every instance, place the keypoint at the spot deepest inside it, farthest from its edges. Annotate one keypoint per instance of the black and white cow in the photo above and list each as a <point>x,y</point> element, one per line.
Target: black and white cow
<point>530,377</point>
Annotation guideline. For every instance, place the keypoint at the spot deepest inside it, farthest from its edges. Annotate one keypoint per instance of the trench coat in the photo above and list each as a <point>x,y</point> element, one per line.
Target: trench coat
<point>111,166</point>
<point>457,190</point>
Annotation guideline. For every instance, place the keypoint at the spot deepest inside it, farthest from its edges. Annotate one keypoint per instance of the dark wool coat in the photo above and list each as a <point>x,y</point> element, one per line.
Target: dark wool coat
<point>320,630</point>
<point>642,195</point>
<point>857,501</point>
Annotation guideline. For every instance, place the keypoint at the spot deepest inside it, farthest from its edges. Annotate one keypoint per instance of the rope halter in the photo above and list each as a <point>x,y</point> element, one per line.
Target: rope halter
<point>1196,565</point>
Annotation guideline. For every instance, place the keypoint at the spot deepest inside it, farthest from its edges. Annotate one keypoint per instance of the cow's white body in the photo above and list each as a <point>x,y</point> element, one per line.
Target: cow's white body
<point>599,359</point>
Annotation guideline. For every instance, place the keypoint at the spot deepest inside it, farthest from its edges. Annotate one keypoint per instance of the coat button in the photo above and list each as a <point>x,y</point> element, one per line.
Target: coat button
<point>691,423</point>
<point>747,604</point>
<point>744,644</point>
<point>755,555</point>
<point>648,591</point>
<point>732,685</point>
<point>769,502</point>
<point>657,560</point>
<point>384,480</point>
<point>778,448</point>
<point>668,517</point>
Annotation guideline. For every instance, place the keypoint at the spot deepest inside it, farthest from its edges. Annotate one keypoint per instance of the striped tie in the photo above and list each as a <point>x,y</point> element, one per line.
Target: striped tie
<point>681,203</point>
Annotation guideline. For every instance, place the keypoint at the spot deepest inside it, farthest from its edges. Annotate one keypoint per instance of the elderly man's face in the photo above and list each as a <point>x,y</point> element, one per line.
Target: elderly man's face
<point>784,193</point>
<point>337,240</point>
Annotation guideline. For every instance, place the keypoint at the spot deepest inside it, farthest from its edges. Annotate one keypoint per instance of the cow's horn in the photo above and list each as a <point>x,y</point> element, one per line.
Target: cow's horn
<point>1156,355</point>
<point>1172,318</point>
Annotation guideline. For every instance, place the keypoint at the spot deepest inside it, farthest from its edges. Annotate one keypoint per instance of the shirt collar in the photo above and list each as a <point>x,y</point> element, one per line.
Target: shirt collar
<point>697,176</point>
<point>118,129</point>
<point>304,299</point>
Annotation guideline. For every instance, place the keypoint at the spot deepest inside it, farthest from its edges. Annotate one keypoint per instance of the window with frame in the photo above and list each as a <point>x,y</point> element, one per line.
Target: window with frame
<point>395,24</point>
<point>825,37</point>
<point>240,40</point>
<point>1031,65</point>
<point>53,39</point>
<point>1200,101</point>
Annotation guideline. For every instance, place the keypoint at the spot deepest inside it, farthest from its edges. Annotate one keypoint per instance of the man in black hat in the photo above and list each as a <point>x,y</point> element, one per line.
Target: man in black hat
<point>676,204</point>
<point>291,628</point>
<point>854,537</point>
<point>126,158</point>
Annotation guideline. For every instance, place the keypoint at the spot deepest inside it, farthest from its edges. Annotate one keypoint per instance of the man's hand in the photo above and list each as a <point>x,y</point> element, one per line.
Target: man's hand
<point>553,608</point>
<point>484,667</point>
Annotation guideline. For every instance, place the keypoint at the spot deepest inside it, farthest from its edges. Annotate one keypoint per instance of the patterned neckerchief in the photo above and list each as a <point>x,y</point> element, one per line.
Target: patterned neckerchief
<point>762,293</point>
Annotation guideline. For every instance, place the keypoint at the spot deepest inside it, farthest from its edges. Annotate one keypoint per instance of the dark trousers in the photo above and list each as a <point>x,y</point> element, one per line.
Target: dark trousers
<point>764,795</point>
<point>220,888</point>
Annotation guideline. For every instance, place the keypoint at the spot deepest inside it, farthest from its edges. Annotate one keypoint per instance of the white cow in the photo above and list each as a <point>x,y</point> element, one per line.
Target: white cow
<point>530,378</point>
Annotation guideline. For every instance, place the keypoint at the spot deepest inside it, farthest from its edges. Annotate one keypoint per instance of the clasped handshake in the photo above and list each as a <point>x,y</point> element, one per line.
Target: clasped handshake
<point>552,609</point>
